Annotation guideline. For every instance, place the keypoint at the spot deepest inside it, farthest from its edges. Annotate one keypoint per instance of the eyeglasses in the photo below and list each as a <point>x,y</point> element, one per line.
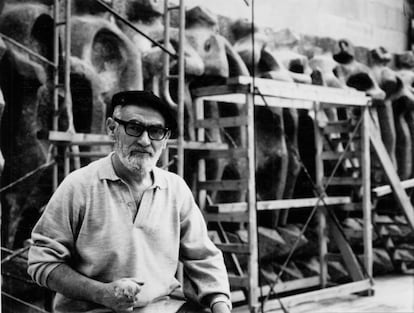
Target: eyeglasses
<point>136,130</point>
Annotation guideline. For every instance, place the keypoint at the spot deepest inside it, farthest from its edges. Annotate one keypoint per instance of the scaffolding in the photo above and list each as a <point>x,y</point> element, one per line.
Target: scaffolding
<point>271,93</point>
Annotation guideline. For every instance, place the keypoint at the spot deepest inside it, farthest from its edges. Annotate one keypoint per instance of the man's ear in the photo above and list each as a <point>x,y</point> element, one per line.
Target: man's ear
<point>110,126</point>
<point>166,139</point>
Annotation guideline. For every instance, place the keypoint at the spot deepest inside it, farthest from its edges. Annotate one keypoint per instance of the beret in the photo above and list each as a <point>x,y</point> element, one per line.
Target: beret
<point>148,99</point>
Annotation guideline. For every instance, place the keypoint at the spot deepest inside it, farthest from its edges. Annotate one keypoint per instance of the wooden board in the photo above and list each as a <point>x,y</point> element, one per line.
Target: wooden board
<point>279,204</point>
<point>395,183</point>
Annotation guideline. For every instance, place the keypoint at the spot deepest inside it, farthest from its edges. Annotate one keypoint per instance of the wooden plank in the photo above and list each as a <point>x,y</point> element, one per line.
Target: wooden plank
<point>253,264</point>
<point>320,217</point>
<point>233,248</point>
<point>196,145</point>
<point>88,154</point>
<point>381,191</point>
<point>318,295</point>
<point>350,260</point>
<point>221,90</point>
<point>227,207</point>
<point>300,203</point>
<point>201,170</point>
<point>79,139</point>
<point>298,95</point>
<point>223,184</point>
<point>235,260</point>
<point>280,89</point>
<point>278,204</point>
<point>395,183</point>
<point>221,122</point>
<point>240,98</point>
<point>297,284</point>
<point>236,217</point>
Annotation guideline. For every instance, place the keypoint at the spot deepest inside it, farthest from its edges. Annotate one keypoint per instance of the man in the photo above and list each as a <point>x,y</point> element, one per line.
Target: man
<point>113,232</point>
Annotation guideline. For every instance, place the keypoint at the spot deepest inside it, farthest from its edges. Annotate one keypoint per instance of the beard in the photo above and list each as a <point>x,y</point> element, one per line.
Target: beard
<point>138,163</point>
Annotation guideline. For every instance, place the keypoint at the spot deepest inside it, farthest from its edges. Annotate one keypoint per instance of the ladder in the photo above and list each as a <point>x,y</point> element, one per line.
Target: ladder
<point>241,212</point>
<point>72,141</point>
<point>265,92</point>
<point>346,143</point>
<point>166,77</point>
<point>61,60</point>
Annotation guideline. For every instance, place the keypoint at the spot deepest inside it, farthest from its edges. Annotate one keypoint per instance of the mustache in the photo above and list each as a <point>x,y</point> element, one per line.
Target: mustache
<point>140,150</point>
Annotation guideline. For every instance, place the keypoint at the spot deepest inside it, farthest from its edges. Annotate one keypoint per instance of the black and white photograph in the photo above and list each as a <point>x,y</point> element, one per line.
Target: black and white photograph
<point>184,156</point>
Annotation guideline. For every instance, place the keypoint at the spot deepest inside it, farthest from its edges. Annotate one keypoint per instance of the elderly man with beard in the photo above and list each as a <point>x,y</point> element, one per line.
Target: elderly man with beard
<point>113,233</point>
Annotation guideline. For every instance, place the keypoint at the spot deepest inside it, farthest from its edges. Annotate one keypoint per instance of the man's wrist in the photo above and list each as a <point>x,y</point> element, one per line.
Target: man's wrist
<point>221,298</point>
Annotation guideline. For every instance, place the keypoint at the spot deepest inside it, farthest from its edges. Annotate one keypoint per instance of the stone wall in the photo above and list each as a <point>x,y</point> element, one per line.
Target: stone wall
<point>367,23</point>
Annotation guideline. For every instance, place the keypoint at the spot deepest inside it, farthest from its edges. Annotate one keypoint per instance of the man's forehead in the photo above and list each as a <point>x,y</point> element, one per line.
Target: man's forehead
<point>142,113</point>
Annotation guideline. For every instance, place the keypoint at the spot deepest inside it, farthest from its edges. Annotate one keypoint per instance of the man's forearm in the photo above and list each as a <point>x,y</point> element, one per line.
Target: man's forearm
<point>119,295</point>
<point>74,285</point>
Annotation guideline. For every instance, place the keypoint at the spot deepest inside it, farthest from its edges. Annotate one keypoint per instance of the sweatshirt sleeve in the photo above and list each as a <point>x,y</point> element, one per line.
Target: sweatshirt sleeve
<point>205,274</point>
<point>54,233</point>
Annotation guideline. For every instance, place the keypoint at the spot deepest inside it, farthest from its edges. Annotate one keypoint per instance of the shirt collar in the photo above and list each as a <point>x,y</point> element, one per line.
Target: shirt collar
<point>107,171</point>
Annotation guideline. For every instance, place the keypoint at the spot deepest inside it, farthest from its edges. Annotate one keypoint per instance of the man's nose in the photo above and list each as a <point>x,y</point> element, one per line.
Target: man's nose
<point>144,139</point>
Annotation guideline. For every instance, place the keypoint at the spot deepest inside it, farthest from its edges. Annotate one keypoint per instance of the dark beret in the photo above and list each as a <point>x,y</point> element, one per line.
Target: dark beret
<point>148,99</point>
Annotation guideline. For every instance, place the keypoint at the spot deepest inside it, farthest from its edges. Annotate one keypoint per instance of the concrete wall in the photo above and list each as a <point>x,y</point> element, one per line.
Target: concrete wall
<point>367,23</point>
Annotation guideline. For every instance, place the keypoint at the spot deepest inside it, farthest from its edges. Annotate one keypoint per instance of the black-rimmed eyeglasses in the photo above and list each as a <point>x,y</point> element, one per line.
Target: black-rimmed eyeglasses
<point>136,129</point>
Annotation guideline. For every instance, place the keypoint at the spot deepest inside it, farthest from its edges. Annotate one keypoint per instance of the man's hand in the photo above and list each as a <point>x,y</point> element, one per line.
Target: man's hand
<point>121,294</point>
<point>220,307</point>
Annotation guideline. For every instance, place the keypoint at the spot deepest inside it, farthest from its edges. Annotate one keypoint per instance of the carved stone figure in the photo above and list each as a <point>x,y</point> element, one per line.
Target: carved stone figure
<point>405,107</point>
<point>388,81</point>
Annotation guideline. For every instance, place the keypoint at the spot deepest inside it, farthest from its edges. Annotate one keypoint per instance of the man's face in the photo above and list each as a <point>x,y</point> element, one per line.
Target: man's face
<point>138,154</point>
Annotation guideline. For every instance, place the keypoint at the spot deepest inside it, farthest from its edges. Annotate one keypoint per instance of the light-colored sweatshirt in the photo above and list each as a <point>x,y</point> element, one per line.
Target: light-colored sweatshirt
<point>88,225</point>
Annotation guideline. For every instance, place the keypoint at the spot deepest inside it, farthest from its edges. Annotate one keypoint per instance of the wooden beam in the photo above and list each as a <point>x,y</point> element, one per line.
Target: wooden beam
<point>350,260</point>
<point>278,204</point>
<point>205,92</point>
<point>195,145</point>
<point>317,295</point>
<point>80,139</point>
<point>87,154</point>
<point>366,194</point>
<point>227,207</point>
<point>381,191</point>
<point>253,264</point>
<point>300,203</point>
<point>297,284</point>
<point>394,180</point>
<point>313,93</point>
